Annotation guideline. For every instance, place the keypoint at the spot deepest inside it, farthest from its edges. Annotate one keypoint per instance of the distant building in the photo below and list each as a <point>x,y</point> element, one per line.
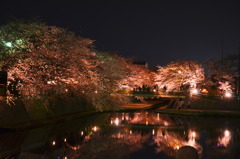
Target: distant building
<point>141,63</point>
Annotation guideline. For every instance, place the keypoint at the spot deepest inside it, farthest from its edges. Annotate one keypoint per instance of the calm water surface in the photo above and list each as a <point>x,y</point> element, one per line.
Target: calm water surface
<point>139,135</point>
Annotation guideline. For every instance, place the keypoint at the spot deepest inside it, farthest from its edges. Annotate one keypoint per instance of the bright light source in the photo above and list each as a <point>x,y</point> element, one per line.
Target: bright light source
<point>204,90</point>
<point>226,133</point>
<point>193,134</point>
<point>194,91</point>
<point>116,121</point>
<point>95,128</point>
<point>179,71</point>
<point>8,44</point>
<point>154,90</point>
<point>65,140</point>
<point>228,95</point>
<point>54,143</point>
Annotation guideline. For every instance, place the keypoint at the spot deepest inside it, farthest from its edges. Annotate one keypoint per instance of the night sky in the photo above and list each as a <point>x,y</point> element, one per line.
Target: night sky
<point>154,31</point>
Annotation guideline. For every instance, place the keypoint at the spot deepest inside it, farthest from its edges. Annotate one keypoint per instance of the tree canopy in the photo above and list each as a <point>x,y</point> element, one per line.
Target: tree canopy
<point>178,74</point>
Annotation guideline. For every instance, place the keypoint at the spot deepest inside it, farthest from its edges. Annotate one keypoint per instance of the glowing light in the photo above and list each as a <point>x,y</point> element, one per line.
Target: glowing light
<point>96,92</point>
<point>116,121</point>
<point>66,90</point>
<point>193,134</point>
<point>179,71</point>
<point>194,91</point>
<point>65,157</point>
<point>95,128</point>
<point>65,140</point>
<point>82,133</point>
<point>204,90</point>
<point>146,122</point>
<point>153,131</point>
<point>130,132</point>
<point>225,140</point>
<point>165,123</point>
<point>177,147</point>
<point>158,117</point>
<point>8,44</point>
<point>49,82</point>
<point>154,90</point>
<point>228,95</point>
<point>54,143</point>
<point>226,133</point>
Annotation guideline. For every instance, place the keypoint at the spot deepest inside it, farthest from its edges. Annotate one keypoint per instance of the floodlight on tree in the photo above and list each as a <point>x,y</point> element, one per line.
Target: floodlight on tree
<point>194,91</point>
<point>228,95</point>
<point>8,44</point>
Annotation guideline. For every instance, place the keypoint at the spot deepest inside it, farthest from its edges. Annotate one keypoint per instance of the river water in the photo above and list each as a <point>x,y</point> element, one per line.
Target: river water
<point>124,135</point>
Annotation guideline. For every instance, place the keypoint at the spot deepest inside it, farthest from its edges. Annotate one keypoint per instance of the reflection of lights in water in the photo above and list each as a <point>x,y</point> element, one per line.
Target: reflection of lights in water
<point>225,140</point>
<point>192,138</point>
<point>177,147</point>
<point>127,117</point>
<point>170,142</point>
<point>116,121</point>
<point>165,123</point>
<point>193,134</point>
<point>226,133</point>
<point>95,128</point>
<point>153,132</point>
<point>54,143</point>
<point>75,147</point>
<point>122,116</point>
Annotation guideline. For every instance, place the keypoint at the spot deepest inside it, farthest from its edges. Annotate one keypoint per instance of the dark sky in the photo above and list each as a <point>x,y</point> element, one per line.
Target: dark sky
<point>155,31</point>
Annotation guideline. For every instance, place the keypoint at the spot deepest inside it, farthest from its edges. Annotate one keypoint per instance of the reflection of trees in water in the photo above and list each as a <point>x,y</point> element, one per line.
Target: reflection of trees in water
<point>125,133</point>
<point>118,145</point>
<point>170,141</point>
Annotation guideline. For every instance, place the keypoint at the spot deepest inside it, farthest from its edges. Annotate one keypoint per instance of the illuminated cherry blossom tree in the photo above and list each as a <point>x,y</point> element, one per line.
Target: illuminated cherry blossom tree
<point>178,74</point>
<point>137,76</point>
<point>44,61</point>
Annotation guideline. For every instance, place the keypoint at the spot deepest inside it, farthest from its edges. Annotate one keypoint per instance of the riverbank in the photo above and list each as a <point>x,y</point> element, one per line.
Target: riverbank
<point>44,122</point>
<point>201,107</point>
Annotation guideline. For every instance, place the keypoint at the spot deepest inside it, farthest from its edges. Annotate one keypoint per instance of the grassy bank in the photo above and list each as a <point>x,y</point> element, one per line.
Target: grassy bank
<point>18,114</point>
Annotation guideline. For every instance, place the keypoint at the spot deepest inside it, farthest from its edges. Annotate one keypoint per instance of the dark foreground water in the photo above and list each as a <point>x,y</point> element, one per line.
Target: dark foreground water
<point>140,135</point>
